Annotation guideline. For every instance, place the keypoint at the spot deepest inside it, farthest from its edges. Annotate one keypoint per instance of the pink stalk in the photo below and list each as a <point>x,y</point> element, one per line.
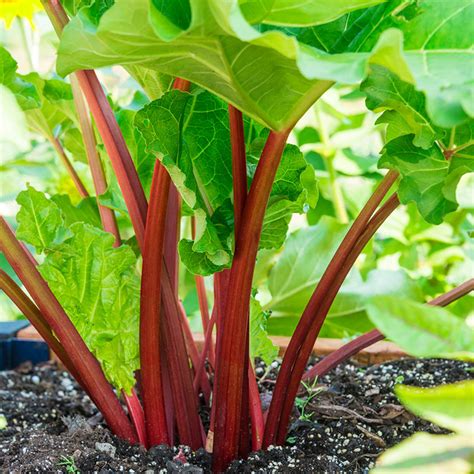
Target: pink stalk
<point>203,381</point>
<point>109,130</point>
<point>135,411</point>
<point>33,314</point>
<point>231,364</point>
<point>86,365</point>
<point>308,328</point>
<point>150,309</point>
<point>107,215</point>
<point>203,305</point>
<point>81,189</point>
<point>359,343</point>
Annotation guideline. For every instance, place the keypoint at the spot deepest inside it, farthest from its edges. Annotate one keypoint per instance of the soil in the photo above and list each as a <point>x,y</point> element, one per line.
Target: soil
<point>341,423</point>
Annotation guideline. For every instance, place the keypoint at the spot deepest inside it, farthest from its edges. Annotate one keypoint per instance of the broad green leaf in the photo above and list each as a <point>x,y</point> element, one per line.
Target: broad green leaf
<point>427,177</point>
<point>144,161</point>
<point>260,344</point>
<point>99,289</point>
<point>189,133</point>
<point>428,454</point>
<point>215,47</point>
<point>300,13</point>
<point>421,330</point>
<point>96,283</point>
<point>449,406</point>
<point>294,189</point>
<point>25,92</point>
<point>301,265</point>
<point>40,221</point>
<point>385,91</point>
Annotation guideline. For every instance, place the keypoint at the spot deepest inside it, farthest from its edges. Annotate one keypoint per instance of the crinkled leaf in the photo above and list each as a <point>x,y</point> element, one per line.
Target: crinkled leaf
<point>449,406</point>
<point>421,330</point>
<point>427,177</point>
<point>40,221</point>
<point>294,188</point>
<point>189,133</point>
<point>385,91</point>
<point>95,282</point>
<point>260,344</point>
<point>144,161</point>
<point>99,289</point>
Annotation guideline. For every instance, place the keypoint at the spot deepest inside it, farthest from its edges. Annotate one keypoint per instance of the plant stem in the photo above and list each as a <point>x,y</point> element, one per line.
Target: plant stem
<point>203,381</point>
<point>109,131</point>
<point>307,330</point>
<point>81,189</point>
<point>150,309</point>
<point>365,340</point>
<point>135,411</point>
<point>203,305</point>
<point>89,370</point>
<point>239,165</point>
<point>231,364</point>
<point>187,416</point>
<point>107,215</point>
<point>33,314</point>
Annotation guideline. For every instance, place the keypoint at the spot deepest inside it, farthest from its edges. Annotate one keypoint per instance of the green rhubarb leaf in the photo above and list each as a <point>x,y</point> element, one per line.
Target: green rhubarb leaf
<point>40,221</point>
<point>296,13</point>
<point>144,161</point>
<point>214,45</point>
<point>299,269</point>
<point>422,330</point>
<point>449,406</point>
<point>385,91</point>
<point>25,93</point>
<point>189,133</point>
<point>429,454</point>
<point>98,287</point>
<point>260,344</point>
<point>294,189</point>
<point>96,283</point>
<point>427,177</point>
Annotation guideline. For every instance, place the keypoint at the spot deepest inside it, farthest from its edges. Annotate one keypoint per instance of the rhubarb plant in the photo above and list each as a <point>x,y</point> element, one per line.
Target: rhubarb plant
<point>195,177</point>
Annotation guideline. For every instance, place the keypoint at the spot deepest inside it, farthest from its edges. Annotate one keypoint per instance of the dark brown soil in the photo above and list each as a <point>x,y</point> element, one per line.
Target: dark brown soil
<point>341,423</point>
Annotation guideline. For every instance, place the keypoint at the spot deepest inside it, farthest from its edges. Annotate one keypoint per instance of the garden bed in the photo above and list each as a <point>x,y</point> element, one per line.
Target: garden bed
<point>53,427</point>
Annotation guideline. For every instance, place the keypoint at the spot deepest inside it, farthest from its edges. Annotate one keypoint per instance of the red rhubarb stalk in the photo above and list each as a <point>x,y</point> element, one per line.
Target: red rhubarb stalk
<point>203,381</point>
<point>304,337</point>
<point>365,340</point>
<point>188,421</point>
<point>107,215</point>
<point>150,309</point>
<point>231,363</point>
<point>89,370</point>
<point>137,415</point>
<point>203,305</point>
<point>33,314</point>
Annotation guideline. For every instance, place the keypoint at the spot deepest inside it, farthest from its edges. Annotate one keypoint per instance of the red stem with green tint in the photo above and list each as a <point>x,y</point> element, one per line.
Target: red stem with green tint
<point>107,215</point>
<point>81,189</point>
<point>33,314</point>
<point>86,365</point>
<point>307,330</point>
<point>359,343</point>
<point>150,309</point>
<point>231,363</point>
